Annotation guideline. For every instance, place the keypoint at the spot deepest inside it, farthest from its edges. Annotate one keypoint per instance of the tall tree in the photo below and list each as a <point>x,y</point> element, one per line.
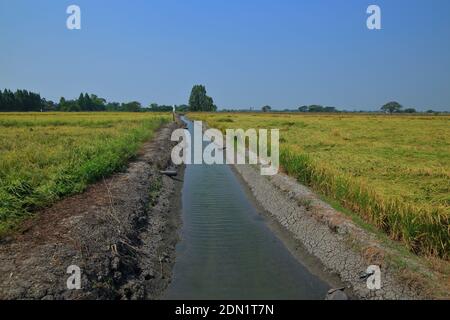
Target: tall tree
<point>2,104</point>
<point>87,103</point>
<point>81,101</point>
<point>199,101</point>
<point>98,104</point>
<point>62,104</point>
<point>392,107</point>
<point>266,108</point>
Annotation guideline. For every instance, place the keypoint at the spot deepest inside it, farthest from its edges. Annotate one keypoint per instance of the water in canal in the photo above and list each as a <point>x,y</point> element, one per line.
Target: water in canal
<point>226,249</point>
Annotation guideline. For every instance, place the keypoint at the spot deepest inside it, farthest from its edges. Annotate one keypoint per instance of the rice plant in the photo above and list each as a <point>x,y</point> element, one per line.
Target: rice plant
<point>44,157</point>
<point>393,171</point>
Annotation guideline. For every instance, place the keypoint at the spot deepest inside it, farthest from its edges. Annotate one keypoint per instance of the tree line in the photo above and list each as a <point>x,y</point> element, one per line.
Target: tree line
<point>395,107</point>
<point>390,108</point>
<point>168,108</point>
<point>91,102</point>
<point>23,100</point>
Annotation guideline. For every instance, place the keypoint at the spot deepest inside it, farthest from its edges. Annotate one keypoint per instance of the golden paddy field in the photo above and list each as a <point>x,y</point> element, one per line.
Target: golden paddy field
<point>393,171</point>
<point>45,156</point>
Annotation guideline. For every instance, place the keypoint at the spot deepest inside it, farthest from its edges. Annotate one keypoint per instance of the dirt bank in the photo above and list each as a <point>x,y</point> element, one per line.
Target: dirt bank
<point>121,232</point>
<point>342,247</point>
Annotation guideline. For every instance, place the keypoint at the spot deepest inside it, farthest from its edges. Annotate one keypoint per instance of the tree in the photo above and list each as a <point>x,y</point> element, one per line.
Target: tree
<point>98,104</point>
<point>21,100</point>
<point>392,107</point>
<point>113,106</point>
<point>68,105</point>
<point>48,105</point>
<point>8,100</point>
<point>316,108</point>
<point>329,109</point>
<point>303,109</point>
<point>266,108</point>
<point>157,108</point>
<point>133,106</point>
<point>87,103</point>
<point>199,101</point>
<point>82,102</point>
<point>410,110</point>
<point>62,104</point>
<point>182,108</point>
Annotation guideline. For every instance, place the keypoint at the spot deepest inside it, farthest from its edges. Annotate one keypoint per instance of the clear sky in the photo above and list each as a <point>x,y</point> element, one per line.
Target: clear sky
<point>248,53</point>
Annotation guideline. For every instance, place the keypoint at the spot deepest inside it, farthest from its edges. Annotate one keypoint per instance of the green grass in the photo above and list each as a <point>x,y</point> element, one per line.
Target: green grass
<point>44,157</point>
<point>393,171</point>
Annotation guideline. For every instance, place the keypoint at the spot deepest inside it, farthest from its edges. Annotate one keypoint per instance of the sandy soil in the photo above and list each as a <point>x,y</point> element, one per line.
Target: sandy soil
<point>121,232</point>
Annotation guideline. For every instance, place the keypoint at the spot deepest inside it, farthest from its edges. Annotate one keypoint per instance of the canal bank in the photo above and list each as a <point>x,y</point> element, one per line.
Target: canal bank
<point>121,233</point>
<point>340,247</point>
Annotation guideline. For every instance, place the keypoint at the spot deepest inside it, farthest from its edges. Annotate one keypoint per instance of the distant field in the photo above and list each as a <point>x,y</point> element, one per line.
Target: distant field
<point>394,171</point>
<point>44,156</point>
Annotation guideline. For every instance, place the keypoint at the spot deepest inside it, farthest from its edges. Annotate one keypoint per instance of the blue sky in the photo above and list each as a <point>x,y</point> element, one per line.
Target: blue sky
<point>248,53</point>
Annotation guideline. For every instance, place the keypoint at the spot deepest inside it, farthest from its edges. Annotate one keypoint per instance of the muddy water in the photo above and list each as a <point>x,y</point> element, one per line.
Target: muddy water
<point>226,249</point>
